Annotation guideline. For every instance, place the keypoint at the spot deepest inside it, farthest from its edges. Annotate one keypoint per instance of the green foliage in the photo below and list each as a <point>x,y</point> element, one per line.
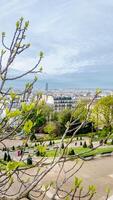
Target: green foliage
<point>42,150</point>
<point>50,128</point>
<point>63,118</point>
<point>26,24</point>
<point>112,142</point>
<point>41,54</point>
<point>27,107</point>
<point>28,126</point>
<point>103,133</point>
<point>77,182</point>
<point>92,189</point>
<point>17,24</point>
<point>12,114</point>
<point>5,156</point>
<point>29,160</point>
<point>8,158</point>
<point>84,145</point>
<point>102,113</point>
<point>39,121</point>
<point>50,143</point>
<point>80,111</point>
<point>12,95</point>
<point>12,165</point>
<point>71,152</point>
<point>62,145</point>
<point>90,145</point>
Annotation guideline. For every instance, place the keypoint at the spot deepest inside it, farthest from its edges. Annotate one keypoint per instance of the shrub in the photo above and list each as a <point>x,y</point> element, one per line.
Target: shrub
<point>105,141</point>
<point>8,157</point>
<point>101,142</point>
<point>50,143</point>
<point>37,153</point>
<point>42,150</point>
<point>84,145</point>
<point>5,156</point>
<point>71,152</point>
<point>91,145</point>
<point>51,129</point>
<point>29,160</point>
<point>62,146</point>
<point>13,148</point>
<point>112,142</point>
<point>75,143</point>
<point>80,143</point>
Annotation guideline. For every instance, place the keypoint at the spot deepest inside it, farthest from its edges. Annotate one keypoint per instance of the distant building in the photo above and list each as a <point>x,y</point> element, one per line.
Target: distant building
<point>59,102</point>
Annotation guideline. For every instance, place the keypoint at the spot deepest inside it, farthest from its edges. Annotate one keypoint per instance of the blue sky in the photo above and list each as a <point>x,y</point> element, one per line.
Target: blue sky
<point>76,36</point>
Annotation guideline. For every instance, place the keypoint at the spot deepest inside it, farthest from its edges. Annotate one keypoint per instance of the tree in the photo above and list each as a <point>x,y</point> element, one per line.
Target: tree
<point>40,115</point>
<point>12,121</point>
<point>51,129</point>
<point>102,113</point>
<point>80,111</point>
<point>63,117</point>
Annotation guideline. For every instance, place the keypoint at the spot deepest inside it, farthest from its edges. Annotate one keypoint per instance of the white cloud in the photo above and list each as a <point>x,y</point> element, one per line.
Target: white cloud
<point>73,34</point>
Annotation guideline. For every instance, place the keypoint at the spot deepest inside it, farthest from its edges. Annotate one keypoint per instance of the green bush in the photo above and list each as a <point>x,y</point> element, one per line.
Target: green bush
<point>80,143</point>
<point>37,153</point>
<point>62,146</point>
<point>29,160</point>
<point>42,150</point>
<point>5,156</point>
<point>71,152</point>
<point>105,141</point>
<point>91,145</point>
<point>50,143</point>
<point>84,145</point>
<point>13,148</point>
<point>8,157</point>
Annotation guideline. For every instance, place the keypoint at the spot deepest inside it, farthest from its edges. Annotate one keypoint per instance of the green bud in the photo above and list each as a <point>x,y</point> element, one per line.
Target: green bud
<point>17,24</point>
<point>28,45</point>
<point>3,34</point>
<point>40,69</point>
<point>3,52</point>
<point>36,78</point>
<point>98,91</point>
<point>17,45</point>
<point>108,191</point>
<point>92,189</point>
<point>21,19</point>
<point>26,24</point>
<point>41,54</point>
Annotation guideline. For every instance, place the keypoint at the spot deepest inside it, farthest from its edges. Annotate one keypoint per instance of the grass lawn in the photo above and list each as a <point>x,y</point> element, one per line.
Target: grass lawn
<point>84,152</point>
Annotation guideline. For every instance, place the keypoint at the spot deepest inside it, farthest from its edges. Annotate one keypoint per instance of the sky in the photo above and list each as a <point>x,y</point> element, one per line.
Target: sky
<point>76,36</point>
